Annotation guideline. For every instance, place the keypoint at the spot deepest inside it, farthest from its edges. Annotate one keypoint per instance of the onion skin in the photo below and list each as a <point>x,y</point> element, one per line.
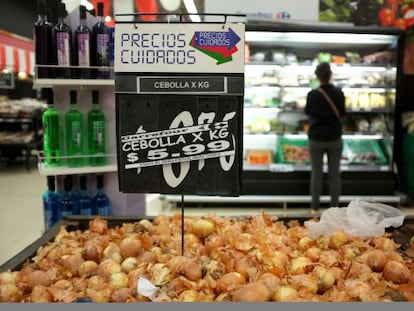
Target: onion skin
<point>37,277</point>
<point>40,294</point>
<point>396,272</point>
<point>252,292</point>
<point>10,293</point>
<point>98,225</point>
<point>285,294</point>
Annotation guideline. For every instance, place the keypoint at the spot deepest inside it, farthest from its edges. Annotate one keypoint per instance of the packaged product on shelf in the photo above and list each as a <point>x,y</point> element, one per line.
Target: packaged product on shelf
<point>85,202</point>
<point>62,45</point>
<point>50,203</point>
<point>100,44</point>
<point>102,204</point>
<point>259,156</point>
<point>43,33</point>
<point>82,46</point>
<point>96,133</point>
<point>52,147</point>
<point>69,203</point>
<point>74,133</point>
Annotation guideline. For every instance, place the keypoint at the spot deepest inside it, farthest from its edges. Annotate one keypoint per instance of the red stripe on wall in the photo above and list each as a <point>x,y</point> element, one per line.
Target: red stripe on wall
<point>16,61</point>
<point>2,57</point>
<point>28,68</point>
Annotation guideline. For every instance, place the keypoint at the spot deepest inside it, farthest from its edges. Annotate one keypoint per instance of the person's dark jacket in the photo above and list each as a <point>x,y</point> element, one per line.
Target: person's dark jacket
<point>323,123</point>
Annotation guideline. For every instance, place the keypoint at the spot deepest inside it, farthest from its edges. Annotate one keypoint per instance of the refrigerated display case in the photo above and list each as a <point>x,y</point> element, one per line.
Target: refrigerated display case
<point>279,72</point>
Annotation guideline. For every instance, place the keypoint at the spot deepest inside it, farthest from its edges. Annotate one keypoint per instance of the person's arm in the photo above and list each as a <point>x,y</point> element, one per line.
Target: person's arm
<point>341,103</point>
<point>308,104</point>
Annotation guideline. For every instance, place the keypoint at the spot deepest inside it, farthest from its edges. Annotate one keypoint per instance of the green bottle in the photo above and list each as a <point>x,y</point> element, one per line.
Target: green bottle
<point>96,133</point>
<point>51,133</point>
<point>74,133</point>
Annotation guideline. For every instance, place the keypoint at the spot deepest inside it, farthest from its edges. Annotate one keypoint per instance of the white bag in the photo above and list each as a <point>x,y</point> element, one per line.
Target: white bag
<point>360,219</point>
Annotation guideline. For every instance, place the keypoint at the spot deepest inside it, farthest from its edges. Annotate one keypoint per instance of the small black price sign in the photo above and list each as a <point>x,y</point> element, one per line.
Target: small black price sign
<point>179,144</point>
<point>6,80</point>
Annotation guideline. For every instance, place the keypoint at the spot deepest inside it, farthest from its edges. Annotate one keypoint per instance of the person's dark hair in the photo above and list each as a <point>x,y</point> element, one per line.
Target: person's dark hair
<point>323,72</point>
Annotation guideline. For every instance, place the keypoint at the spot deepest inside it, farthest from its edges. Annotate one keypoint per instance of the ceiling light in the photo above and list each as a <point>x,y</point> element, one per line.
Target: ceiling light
<point>191,9</point>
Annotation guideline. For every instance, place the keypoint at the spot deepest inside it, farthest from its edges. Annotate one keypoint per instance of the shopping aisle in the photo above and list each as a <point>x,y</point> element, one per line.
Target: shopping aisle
<point>21,216</point>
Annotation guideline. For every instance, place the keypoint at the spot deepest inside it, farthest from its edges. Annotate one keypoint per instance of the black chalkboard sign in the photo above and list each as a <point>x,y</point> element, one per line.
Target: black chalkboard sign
<point>179,107</point>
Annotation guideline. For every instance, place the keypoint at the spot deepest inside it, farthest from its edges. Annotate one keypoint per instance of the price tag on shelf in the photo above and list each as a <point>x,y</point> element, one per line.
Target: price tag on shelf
<point>276,167</point>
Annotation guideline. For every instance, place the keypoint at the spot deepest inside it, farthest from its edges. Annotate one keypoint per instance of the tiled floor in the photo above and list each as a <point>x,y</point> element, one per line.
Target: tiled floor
<point>21,215</point>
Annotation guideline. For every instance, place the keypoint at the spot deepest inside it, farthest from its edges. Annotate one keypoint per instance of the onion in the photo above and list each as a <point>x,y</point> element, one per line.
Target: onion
<point>191,238</point>
<point>130,246</point>
<point>99,295</point>
<point>118,280</point>
<point>337,239</point>
<point>243,265</point>
<point>129,264</point>
<point>88,268</point>
<point>108,267</point>
<point>92,252</point>
<point>285,293</point>
<point>191,270</point>
<point>72,263</point>
<point>376,260</point>
<point>121,295</point>
<point>300,265</point>
<point>98,225</point>
<point>40,294</point>
<point>323,242</point>
<point>396,272</point>
<point>326,279</point>
<point>8,277</point>
<point>113,251</point>
<point>313,253</point>
<point>203,227</point>
<point>62,291</point>
<point>213,242</point>
<point>305,243</point>
<point>189,295</point>
<point>37,277</point>
<point>252,292</point>
<point>271,280</point>
<point>147,257</point>
<point>384,243</point>
<point>229,281</point>
<point>10,293</point>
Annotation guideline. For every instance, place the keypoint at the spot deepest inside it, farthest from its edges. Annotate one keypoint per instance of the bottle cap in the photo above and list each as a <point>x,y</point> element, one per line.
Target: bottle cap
<point>48,95</point>
<point>72,94</point>
<point>61,10</point>
<point>82,182</point>
<point>51,183</point>
<point>95,96</point>
<point>41,7</point>
<point>67,183</point>
<point>100,9</point>
<point>99,181</point>
<point>82,12</point>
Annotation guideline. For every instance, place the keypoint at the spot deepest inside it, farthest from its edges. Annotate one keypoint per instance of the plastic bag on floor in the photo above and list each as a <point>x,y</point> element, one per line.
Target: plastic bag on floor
<point>360,219</point>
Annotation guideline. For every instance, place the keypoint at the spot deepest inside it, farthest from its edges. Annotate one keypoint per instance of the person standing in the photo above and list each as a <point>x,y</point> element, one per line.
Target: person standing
<point>324,107</point>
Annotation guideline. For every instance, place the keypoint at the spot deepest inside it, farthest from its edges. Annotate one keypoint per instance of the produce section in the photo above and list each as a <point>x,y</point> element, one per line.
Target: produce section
<point>223,259</point>
<point>279,74</point>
